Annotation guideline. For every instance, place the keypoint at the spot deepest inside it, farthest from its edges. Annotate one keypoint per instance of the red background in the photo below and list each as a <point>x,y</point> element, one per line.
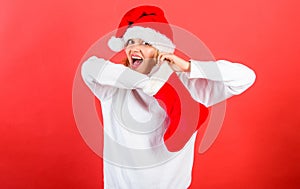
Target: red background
<point>41,45</point>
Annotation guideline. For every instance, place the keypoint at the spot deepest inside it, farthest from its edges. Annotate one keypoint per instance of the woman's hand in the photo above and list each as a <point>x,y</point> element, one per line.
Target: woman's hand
<point>176,63</point>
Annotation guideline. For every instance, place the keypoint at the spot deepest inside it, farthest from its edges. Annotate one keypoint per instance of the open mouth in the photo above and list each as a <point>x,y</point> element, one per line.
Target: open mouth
<point>136,61</point>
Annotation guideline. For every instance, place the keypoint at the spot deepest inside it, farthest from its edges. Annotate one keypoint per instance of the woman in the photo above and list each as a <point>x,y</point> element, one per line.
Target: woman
<point>135,122</point>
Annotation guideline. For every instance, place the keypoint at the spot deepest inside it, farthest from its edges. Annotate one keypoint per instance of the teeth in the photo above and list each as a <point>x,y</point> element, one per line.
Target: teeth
<point>136,57</point>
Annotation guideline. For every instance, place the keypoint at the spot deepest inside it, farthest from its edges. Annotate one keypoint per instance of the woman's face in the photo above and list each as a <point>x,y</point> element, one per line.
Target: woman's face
<point>141,55</point>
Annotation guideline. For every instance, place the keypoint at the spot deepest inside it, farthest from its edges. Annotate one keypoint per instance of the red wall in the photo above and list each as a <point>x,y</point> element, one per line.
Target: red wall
<point>42,43</point>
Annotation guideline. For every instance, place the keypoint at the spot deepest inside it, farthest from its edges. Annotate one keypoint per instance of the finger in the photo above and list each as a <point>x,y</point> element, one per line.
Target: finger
<point>168,58</point>
<point>159,60</point>
<point>160,55</point>
<point>165,57</point>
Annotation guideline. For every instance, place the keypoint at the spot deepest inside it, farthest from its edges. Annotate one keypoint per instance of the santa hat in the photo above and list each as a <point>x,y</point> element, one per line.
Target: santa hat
<point>147,23</point>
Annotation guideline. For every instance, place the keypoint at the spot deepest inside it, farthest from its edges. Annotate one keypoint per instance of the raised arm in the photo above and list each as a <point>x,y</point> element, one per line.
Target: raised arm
<point>210,82</point>
<point>104,77</point>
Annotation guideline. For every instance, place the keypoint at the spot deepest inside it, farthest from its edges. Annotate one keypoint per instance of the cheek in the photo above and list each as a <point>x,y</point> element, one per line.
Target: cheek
<point>151,53</point>
<point>126,52</point>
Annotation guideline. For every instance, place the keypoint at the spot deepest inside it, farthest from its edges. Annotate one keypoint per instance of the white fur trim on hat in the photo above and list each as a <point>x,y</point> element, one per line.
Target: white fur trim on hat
<point>149,35</point>
<point>116,44</point>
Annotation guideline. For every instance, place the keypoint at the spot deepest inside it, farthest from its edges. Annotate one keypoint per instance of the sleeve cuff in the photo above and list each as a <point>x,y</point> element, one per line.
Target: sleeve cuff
<point>196,69</point>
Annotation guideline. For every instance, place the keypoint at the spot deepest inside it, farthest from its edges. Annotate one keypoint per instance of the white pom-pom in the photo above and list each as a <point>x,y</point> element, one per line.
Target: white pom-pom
<point>116,44</point>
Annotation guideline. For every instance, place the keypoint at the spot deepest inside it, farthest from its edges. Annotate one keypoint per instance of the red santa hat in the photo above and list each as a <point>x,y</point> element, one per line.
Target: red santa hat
<point>147,23</point>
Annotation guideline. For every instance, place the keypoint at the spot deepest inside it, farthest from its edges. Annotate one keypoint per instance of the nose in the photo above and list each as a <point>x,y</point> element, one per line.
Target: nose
<point>134,48</point>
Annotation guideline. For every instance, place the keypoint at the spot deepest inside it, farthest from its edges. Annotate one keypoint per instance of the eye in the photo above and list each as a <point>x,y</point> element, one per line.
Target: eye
<point>146,43</point>
<point>129,42</point>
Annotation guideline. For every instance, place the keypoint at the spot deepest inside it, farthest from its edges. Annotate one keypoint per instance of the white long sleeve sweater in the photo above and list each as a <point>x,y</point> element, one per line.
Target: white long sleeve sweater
<point>135,156</point>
